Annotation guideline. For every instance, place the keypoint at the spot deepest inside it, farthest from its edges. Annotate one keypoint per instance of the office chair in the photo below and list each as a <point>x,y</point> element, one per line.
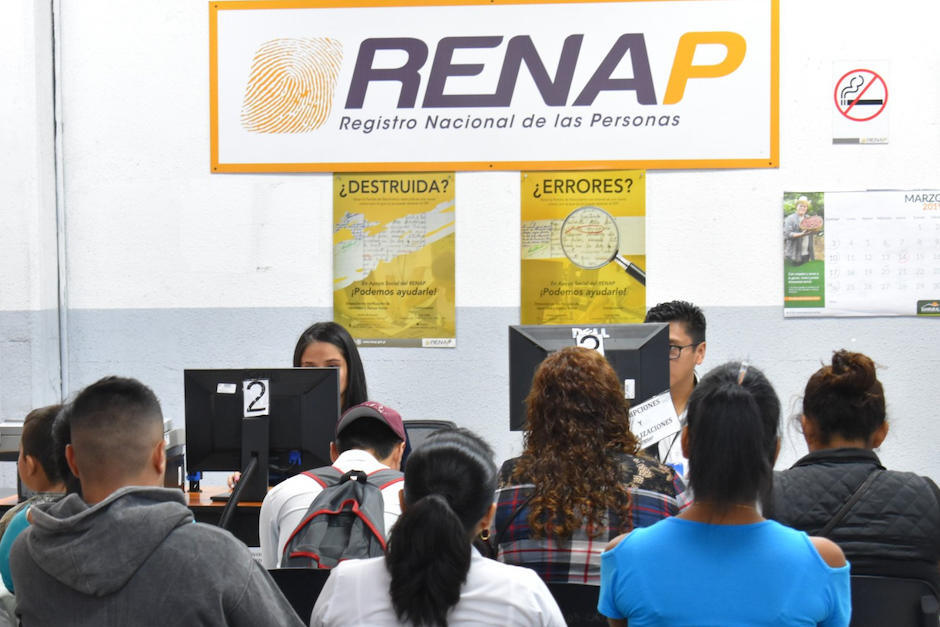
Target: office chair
<point>578,603</point>
<point>419,430</point>
<point>895,601</point>
<point>301,587</point>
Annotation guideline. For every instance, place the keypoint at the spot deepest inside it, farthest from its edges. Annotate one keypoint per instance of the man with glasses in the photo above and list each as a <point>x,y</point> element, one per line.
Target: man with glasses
<point>686,351</point>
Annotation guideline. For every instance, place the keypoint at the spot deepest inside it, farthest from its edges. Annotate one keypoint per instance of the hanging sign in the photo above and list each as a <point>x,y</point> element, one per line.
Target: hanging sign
<point>360,85</point>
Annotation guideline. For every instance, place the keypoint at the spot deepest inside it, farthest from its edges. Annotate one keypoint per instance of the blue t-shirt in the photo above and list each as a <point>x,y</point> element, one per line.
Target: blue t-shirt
<point>18,523</point>
<point>680,572</point>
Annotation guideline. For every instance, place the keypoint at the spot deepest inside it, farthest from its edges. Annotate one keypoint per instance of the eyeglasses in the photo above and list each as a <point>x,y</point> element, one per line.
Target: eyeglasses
<point>675,351</point>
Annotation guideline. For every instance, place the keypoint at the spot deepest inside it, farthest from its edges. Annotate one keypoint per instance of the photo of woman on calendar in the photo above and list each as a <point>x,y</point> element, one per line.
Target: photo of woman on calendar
<point>802,227</point>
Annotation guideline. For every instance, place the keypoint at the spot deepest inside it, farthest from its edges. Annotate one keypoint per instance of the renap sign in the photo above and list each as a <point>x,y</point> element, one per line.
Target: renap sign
<point>309,86</point>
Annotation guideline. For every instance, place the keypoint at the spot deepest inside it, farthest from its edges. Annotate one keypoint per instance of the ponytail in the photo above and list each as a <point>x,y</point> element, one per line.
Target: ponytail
<point>450,481</point>
<point>732,436</point>
<point>428,558</point>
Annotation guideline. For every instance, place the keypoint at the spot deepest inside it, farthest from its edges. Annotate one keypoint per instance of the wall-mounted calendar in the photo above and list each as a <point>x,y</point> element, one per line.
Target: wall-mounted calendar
<point>873,253</point>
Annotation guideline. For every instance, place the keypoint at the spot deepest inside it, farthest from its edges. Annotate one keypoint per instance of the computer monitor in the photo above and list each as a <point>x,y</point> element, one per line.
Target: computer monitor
<point>639,353</point>
<point>283,418</point>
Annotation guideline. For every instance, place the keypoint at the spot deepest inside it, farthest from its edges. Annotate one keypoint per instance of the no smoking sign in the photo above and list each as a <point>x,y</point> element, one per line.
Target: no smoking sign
<point>860,97</point>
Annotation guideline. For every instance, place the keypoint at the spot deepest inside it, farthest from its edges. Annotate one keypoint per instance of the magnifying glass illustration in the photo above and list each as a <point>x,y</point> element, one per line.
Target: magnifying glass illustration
<point>590,239</point>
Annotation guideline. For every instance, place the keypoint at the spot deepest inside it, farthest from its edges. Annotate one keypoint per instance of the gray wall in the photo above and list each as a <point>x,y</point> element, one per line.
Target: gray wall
<point>469,384</point>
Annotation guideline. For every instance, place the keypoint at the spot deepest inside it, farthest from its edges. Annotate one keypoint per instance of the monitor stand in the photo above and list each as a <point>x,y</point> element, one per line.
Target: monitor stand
<point>253,483</point>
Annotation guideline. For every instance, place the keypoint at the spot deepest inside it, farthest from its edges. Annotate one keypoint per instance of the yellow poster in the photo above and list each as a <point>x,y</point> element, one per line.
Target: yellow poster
<point>393,258</point>
<point>583,247</point>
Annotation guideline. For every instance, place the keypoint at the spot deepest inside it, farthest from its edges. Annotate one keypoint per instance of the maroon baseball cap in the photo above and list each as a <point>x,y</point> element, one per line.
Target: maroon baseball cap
<point>371,409</point>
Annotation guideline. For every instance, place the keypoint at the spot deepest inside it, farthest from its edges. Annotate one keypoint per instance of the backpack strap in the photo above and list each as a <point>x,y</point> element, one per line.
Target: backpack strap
<point>384,477</point>
<point>853,499</point>
<point>325,476</point>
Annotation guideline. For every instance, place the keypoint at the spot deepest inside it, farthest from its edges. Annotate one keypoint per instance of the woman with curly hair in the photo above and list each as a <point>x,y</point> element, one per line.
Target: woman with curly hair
<point>579,481</point>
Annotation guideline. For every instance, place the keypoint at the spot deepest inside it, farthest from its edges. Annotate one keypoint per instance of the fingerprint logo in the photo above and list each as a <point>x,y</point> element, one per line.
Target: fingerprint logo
<point>290,89</point>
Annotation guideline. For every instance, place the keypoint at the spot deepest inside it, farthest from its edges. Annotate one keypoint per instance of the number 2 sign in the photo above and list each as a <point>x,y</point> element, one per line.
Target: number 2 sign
<point>256,394</point>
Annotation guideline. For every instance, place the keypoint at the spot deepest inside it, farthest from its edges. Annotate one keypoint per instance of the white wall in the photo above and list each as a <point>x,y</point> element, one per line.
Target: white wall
<point>28,268</point>
<point>172,267</point>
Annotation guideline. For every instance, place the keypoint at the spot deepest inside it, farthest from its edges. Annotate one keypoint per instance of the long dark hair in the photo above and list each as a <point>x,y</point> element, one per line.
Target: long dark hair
<point>576,416</point>
<point>846,398</point>
<point>450,481</point>
<point>61,437</point>
<point>733,418</point>
<point>339,337</point>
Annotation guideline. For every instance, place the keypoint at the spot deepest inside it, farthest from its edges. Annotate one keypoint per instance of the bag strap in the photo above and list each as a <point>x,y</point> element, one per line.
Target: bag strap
<point>385,477</point>
<point>853,499</point>
<point>325,476</point>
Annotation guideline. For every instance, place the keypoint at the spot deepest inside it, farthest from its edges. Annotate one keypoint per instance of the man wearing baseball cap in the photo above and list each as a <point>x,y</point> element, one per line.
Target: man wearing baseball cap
<point>369,437</point>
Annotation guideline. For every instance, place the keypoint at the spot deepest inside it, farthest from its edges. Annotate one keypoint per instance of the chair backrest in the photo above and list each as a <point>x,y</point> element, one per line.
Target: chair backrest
<point>301,586</point>
<point>578,603</point>
<point>895,601</point>
<point>418,430</point>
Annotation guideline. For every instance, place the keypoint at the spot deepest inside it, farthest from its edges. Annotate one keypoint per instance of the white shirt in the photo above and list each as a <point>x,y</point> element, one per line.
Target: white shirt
<point>670,449</point>
<point>356,593</point>
<point>287,502</point>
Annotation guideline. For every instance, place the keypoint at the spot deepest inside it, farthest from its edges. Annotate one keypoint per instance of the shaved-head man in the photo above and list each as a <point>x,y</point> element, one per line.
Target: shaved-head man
<point>130,553</point>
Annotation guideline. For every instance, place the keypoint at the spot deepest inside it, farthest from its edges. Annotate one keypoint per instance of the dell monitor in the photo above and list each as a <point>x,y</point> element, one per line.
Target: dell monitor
<point>639,353</point>
<point>280,420</point>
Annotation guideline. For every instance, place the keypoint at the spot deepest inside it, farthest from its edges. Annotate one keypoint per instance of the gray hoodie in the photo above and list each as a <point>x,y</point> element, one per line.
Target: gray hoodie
<point>136,558</point>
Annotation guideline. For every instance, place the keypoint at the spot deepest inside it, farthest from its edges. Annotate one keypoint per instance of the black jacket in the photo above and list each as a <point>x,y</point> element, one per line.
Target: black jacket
<point>894,529</point>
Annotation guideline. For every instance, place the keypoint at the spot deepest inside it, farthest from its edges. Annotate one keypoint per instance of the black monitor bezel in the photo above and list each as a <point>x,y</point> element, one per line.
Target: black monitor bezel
<point>530,344</point>
<point>310,431</point>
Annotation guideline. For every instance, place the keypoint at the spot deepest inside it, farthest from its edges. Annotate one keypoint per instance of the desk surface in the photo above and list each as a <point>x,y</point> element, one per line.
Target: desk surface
<point>193,499</point>
<point>204,498</point>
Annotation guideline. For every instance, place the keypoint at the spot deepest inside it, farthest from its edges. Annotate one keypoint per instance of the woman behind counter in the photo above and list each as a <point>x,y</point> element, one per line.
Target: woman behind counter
<point>329,344</point>
<point>321,345</point>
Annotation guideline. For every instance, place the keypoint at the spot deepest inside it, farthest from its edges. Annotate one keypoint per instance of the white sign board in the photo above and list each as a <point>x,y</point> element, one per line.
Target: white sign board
<point>654,420</point>
<point>860,102</point>
<point>256,395</point>
<point>366,86</point>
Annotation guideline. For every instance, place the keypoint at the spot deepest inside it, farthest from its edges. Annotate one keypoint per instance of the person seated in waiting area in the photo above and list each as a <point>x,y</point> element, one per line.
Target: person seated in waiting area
<point>431,575</point>
<point>579,481</point>
<point>130,553</point>
<point>62,437</point>
<point>893,529</point>
<point>36,464</point>
<point>369,437</point>
<point>38,470</point>
<point>737,567</point>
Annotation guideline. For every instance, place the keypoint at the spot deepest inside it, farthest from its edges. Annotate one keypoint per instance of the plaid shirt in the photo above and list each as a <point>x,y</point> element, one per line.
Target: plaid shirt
<point>656,492</point>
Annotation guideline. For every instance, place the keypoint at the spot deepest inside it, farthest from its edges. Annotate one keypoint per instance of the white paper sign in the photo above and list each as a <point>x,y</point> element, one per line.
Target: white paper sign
<point>860,102</point>
<point>256,394</point>
<point>654,420</point>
